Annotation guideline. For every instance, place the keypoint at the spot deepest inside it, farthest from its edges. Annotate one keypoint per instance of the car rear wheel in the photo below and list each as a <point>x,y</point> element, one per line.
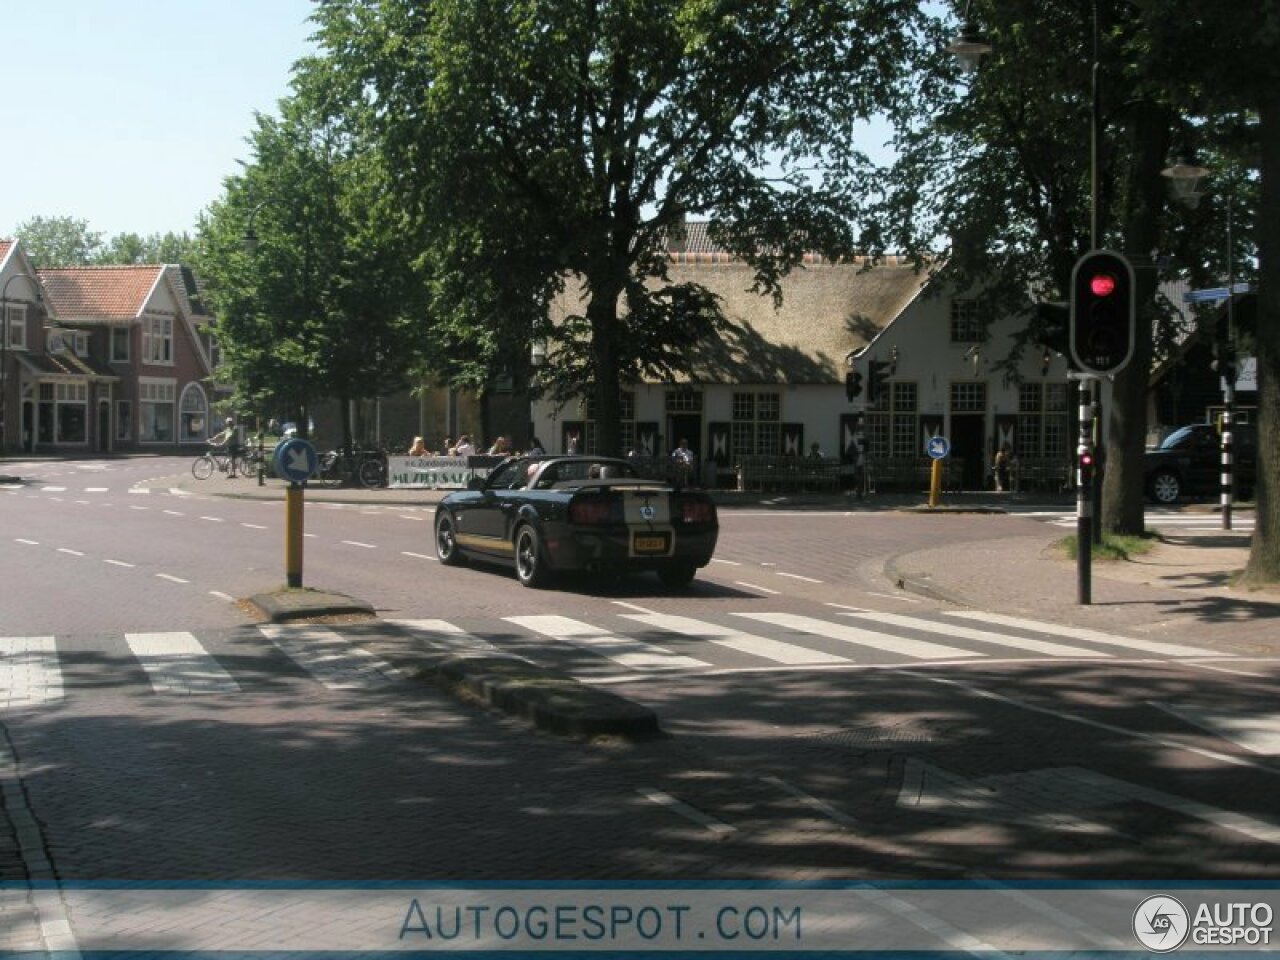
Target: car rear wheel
<point>677,574</point>
<point>447,540</point>
<point>1165,486</point>
<point>531,568</point>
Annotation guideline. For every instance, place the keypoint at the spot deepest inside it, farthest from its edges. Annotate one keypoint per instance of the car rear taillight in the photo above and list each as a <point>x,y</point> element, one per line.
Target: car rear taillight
<point>697,511</point>
<point>595,510</point>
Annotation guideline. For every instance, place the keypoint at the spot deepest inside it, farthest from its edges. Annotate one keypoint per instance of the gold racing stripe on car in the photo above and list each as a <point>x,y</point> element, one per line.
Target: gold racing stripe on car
<point>644,508</point>
<point>492,544</point>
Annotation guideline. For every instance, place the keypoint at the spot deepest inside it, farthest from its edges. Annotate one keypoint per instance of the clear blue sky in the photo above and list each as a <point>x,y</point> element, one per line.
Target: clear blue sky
<point>129,113</point>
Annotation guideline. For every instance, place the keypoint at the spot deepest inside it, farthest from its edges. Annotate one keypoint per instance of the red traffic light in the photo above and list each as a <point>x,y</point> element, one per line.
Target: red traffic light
<point>1086,458</point>
<point>1102,284</point>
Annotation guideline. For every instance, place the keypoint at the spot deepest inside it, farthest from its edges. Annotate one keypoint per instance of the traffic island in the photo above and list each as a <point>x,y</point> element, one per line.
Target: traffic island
<point>551,701</point>
<point>287,603</point>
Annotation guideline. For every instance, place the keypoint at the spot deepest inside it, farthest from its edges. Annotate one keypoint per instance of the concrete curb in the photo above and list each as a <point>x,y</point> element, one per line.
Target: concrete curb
<point>551,701</point>
<point>920,584</point>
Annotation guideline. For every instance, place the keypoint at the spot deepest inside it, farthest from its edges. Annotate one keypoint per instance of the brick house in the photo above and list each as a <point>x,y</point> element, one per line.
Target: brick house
<point>122,363</point>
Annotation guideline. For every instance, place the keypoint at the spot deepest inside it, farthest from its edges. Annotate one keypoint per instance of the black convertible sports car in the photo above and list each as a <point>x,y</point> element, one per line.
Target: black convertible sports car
<point>551,514</point>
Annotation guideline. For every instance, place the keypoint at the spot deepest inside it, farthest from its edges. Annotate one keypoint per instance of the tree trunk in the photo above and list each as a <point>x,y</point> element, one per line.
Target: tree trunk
<point>1264,557</point>
<point>1122,491</point>
<point>602,313</point>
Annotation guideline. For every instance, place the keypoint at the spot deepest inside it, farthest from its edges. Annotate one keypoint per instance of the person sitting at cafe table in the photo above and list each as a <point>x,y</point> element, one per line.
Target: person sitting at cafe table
<point>465,447</point>
<point>419,449</point>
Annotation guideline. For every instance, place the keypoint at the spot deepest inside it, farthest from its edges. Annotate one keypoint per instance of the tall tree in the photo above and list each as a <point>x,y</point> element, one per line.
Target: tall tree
<point>319,307</point>
<point>59,241</point>
<point>538,140</point>
<point>997,169</point>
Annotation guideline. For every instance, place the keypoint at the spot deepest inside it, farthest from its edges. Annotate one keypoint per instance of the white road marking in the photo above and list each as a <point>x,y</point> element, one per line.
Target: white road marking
<point>254,526</point>
<point>839,816</point>
<point>689,813</point>
<point>889,596</point>
<point>174,513</point>
<point>222,596</point>
<point>96,489</point>
<point>176,662</point>
<point>753,586</point>
<point>728,563</point>
<point>442,633</point>
<point>919,649</point>
<point>53,489</point>
<point>632,606</point>
<point>982,636</point>
<point>1084,633</point>
<point>30,543</point>
<point>134,506</point>
<point>68,550</point>
<point>213,519</point>
<point>29,670</point>
<point>1258,733</point>
<point>622,650</point>
<point>748,643</point>
<point>796,576</point>
<point>417,556</point>
<point>357,543</point>
<point>117,563</point>
<point>171,578</point>
<point>324,654</point>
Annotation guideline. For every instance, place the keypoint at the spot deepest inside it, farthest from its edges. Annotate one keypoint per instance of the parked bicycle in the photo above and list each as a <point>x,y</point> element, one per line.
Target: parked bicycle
<point>220,460</point>
<point>367,467</point>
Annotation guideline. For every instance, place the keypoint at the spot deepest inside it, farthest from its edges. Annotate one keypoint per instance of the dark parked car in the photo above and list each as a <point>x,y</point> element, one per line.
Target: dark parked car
<point>1189,462</point>
<point>547,515</point>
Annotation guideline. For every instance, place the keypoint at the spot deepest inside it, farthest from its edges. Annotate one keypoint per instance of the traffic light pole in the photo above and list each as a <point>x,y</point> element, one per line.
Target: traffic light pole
<point>1084,490</point>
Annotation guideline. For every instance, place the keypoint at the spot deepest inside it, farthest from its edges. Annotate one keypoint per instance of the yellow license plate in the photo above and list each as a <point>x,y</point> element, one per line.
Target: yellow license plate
<point>650,544</point>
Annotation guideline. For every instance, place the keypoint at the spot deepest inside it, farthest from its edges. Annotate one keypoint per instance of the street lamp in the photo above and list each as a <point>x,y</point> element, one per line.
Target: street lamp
<point>249,239</point>
<point>969,45</point>
<point>4,351</point>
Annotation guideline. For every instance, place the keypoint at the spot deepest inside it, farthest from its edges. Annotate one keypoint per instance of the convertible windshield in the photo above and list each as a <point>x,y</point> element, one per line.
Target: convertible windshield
<point>1177,438</point>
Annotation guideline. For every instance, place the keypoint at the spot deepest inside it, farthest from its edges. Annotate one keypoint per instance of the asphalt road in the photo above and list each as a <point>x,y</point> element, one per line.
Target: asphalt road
<point>821,724</point>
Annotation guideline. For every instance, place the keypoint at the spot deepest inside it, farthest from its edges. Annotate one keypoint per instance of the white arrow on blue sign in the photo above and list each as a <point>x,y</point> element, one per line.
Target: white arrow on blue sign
<point>295,460</point>
<point>937,447</point>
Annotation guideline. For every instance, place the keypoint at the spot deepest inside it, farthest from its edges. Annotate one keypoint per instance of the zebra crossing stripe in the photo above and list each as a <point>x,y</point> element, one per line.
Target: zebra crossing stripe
<point>762,647</point>
<point>29,671</point>
<point>177,663</point>
<point>903,646</point>
<point>970,633</point>
<point>1084,633</point>
<point>623,650</point>
<point>442,633</point>
<point>335,662</point>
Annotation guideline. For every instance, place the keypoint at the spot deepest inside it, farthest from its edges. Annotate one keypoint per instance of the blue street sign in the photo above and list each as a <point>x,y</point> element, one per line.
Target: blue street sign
<point>1214,294</point>
<point>295,460</point>
<point>937,447</point>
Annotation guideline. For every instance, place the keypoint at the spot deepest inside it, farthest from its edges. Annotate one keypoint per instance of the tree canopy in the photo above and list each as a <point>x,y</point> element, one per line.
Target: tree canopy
<point>68,242</point>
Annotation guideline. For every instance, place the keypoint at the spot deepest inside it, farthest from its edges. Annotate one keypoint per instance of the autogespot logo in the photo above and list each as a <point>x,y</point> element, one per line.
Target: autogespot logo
<point>1161,924</point>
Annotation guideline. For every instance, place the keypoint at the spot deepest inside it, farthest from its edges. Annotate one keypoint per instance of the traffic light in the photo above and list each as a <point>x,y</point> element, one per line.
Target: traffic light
<point>852,384</point>
<point>1103,301</point>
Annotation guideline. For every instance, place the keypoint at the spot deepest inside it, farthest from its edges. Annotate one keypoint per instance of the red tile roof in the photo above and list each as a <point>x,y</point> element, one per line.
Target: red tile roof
<point>99,293</point>
<point>5,246</point>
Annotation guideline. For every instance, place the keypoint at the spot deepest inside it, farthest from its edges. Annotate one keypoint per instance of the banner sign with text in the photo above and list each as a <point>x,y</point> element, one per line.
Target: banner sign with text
<point>437,473</point>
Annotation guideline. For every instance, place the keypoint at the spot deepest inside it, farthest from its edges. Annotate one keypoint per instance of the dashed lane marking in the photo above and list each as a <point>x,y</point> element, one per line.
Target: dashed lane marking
<point>662,798</point>
<point>171,578</point>
<point>756,586</point>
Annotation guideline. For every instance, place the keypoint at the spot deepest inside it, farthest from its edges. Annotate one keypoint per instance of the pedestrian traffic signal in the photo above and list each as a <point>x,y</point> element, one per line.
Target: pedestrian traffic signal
<point>852,384</point>
<point>1103,302</point>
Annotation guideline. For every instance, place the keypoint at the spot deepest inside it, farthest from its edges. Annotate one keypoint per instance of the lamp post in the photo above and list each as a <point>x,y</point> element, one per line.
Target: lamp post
<point>4,352</point>
<point>1184,178</point>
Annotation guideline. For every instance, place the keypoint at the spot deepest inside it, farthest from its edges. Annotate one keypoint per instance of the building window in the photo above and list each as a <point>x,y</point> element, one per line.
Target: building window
<point>155,410</point>
<point>684,401</point>
<point>893,429</point>
<point>757,424</point>
<point>194,411</point>
<point>626,429</point>
<point>1042,420</point>
<point>966,323</point>
<point>124,420</point>
<point>120,344</point>
<point>15,315</point>
<point>157,339</point>
<point>968,397</point>
<point>64,412</point>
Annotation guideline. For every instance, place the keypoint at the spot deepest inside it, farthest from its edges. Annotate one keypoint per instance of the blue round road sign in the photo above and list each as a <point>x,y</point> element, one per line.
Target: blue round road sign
<point>937,447</point>
<point>295,460</point>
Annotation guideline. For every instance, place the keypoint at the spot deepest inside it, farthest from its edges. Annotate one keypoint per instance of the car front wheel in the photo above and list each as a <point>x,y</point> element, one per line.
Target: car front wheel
<point>447,540</point>
<point>531,569</point>
<point>1165,486</point>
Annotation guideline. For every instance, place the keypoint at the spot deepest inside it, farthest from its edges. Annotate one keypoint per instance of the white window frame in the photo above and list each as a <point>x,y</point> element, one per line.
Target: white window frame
<point>155,392</point>
<point>157,340</point>
<point>193,401</point>
<point>15,327</point>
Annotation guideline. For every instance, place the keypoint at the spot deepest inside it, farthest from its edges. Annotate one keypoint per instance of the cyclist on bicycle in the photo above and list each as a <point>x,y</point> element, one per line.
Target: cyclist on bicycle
<point>231,439</point>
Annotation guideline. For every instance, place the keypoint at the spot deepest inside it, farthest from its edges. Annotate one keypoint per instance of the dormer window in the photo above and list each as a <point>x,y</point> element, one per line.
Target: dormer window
<point>15,317</point>
<point>967,325</point>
